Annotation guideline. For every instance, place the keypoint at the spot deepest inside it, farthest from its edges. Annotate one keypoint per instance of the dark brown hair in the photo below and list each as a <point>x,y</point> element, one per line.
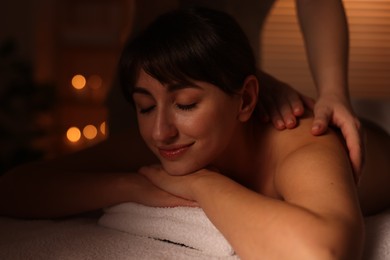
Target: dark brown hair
<point>189,44</point>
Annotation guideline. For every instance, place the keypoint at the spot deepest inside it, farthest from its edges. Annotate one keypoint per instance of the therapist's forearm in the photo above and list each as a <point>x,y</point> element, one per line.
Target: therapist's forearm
<point>325,31</point>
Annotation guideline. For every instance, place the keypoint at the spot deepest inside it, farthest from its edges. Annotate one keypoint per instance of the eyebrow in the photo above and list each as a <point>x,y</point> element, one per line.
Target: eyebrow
<point>171,88</point>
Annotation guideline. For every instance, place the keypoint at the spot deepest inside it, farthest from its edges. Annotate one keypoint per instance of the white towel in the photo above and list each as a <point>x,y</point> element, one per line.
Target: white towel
<point>83,239</point>
<point>377,242</point>
<point>186,226</point>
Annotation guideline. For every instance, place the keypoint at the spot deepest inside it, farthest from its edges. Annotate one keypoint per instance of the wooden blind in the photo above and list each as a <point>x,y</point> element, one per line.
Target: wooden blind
<point>283,53</point>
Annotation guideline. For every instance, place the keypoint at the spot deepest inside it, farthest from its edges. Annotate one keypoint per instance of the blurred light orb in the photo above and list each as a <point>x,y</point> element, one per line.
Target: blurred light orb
<point>103,128</point>
<point>90,132</point>
<point>73,134</point>
<point>78,81</point>
<point>95,82</point>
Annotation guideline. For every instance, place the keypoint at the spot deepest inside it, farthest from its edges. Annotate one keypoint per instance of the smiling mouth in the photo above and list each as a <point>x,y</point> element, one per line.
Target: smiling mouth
<point>174,152</point>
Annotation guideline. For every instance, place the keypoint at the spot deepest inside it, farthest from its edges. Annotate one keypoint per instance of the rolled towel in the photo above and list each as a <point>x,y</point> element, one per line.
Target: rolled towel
<point>188,226</point>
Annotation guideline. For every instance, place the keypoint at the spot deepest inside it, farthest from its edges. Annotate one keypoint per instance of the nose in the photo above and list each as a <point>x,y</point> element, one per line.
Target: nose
<point>164,129</point>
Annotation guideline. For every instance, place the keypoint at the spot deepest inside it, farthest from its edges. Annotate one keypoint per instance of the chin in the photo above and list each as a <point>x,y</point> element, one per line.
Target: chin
<point>178,169</point>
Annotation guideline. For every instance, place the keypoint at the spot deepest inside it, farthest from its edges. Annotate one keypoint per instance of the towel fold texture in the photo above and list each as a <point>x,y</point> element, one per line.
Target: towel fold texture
<point>83,239</point>
<point>186,226</point>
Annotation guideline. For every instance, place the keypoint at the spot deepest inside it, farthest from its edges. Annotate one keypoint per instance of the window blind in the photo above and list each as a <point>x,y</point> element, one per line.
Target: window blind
<point>283,53</point>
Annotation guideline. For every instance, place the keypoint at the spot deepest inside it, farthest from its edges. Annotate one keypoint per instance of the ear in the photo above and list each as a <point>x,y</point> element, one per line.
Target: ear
<point>249,95</point>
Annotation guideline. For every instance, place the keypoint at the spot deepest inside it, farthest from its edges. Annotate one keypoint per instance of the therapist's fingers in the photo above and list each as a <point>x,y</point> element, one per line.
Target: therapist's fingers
<point>297,105</point>
<point>269,112</point>
<point>349,126</point>
<point>275,115</point>
<point>289,105</point>
<point>354,138</point>
<point>287,113</point>
<point>322,117</point>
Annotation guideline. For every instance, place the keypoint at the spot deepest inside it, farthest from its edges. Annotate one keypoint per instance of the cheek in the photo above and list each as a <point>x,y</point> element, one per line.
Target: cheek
<point>195,124</point>
<point>209,123</point>
<point>145,128</point>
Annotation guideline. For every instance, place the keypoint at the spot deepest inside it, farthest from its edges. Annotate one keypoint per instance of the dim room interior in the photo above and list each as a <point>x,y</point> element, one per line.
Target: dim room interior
<point>57,66</point>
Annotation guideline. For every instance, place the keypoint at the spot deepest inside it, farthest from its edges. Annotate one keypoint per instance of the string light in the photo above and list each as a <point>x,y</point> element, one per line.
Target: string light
<point>90,132</point>
<point>78,81</point>
<point>103,128</point>
<point>73,134</point>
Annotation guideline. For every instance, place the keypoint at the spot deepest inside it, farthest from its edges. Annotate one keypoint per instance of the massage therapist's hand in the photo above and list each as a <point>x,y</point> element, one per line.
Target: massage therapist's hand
<point>180,186</point>
<point>335,110</point>
<point>283,104</point>
<point>148,194</point>
<point>280,103</point>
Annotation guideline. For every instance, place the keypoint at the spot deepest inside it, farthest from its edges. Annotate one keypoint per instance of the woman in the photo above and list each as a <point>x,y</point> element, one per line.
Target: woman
<point>324,29</point>
<point>284,194</point>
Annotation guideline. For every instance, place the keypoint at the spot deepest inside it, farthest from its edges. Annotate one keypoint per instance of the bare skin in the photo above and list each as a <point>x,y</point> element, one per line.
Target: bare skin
<point>282,186</point>
<point>326,46</point>
<point>280,197</point>
<point>56,191</point>
<point>111,156</point>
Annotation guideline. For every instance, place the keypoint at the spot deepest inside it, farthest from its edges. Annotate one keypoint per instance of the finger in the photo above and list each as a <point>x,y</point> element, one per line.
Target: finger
<point>287,114</point>
<point>296,104</point>
<point>276,118</point>
<point>273,112</point>
<point>321,120</point>
<point>320,125</point>
<point>363,140</point>
<point>355,144</point>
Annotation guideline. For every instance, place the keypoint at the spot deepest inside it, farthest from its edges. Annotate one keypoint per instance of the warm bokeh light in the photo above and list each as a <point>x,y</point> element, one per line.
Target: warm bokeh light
<point>95,82</point>
<point>90,132</point>
<point>73,134</point>
<point>103,128</point>
<point>78,81</point>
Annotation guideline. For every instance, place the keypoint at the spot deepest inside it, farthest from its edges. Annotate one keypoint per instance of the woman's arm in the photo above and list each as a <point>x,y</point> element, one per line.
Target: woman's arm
<point>88,180</point>
<point>316,217</point>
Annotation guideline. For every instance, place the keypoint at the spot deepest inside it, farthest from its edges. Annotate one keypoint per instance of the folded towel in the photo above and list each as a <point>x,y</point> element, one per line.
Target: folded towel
<point>181,225</point>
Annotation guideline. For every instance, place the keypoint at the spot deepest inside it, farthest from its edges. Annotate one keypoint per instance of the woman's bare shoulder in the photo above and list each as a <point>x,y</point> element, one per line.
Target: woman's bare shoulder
<point>290,152</point>
<point>288,141</point>
<point>308,166</point>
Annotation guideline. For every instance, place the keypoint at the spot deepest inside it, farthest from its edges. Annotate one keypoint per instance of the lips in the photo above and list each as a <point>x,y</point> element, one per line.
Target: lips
<point>174,152</point>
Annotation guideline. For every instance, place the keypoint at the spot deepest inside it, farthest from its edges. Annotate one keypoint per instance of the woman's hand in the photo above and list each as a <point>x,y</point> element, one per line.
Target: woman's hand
<point>149,194</point>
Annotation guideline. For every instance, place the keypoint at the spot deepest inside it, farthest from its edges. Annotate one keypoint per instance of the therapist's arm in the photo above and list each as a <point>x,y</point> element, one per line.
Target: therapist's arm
<point>325,31</point>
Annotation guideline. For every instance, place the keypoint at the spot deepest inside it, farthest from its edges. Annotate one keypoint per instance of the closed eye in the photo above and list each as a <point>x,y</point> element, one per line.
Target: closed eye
<point>186,107</point>
<point>146,110</point>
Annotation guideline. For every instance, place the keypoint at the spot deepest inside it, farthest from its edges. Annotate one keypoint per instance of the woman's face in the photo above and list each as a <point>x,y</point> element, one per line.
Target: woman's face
<point>186,127</point>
